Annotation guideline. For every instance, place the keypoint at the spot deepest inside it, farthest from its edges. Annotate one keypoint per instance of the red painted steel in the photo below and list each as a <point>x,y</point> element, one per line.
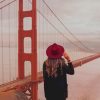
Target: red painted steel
<point>20,42</point>
<point>25,85</point>
<point>34,52</point>
<point>32,57</point>
<point>85,60</point>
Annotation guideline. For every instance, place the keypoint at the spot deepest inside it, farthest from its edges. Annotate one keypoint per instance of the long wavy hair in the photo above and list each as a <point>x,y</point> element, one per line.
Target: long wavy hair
<point>53,64</point>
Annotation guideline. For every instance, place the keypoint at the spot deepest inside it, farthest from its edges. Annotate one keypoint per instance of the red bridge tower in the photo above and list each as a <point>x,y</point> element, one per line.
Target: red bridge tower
<point>22,34</point>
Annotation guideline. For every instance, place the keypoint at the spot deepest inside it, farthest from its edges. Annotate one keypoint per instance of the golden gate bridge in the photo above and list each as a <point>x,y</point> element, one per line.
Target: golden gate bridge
<point>27,28</point>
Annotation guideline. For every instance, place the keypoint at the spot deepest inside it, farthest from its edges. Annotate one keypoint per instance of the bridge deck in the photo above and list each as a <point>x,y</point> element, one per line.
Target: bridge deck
<point>18,83</point>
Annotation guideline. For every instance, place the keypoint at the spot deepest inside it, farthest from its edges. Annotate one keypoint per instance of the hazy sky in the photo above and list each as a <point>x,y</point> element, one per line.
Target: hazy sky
<point>81,16</point>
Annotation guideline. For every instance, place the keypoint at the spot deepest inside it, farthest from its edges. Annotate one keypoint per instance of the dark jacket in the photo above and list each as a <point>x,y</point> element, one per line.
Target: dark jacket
<point>56,87</point>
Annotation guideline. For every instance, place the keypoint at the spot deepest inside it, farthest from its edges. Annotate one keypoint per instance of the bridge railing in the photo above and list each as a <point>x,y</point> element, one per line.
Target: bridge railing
<point>17,84</point>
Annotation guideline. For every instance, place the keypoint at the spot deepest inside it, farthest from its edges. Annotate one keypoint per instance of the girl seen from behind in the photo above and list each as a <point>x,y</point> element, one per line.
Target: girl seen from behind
<point>55,69</point>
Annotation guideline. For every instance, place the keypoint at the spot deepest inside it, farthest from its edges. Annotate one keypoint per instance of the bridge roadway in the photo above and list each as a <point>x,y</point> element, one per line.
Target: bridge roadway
<point>18,83</point>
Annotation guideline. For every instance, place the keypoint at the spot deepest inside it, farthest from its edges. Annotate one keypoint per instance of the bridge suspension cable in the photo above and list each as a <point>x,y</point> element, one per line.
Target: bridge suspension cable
<point>7,4</point>
<point>67,27</point>
<point>59,30</point>
<point>2,1</point>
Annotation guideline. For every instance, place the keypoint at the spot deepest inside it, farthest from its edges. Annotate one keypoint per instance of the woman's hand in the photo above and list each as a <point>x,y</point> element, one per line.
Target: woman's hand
<point>66,56</point>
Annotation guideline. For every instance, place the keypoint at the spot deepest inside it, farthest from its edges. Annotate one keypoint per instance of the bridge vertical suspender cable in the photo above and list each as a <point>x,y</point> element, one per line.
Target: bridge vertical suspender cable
<point>16,43</point>
<point>9,46</point>
<point>2,58</point>
<point>43,30</point>
<point>2,41</point>
<point>39,36</point>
